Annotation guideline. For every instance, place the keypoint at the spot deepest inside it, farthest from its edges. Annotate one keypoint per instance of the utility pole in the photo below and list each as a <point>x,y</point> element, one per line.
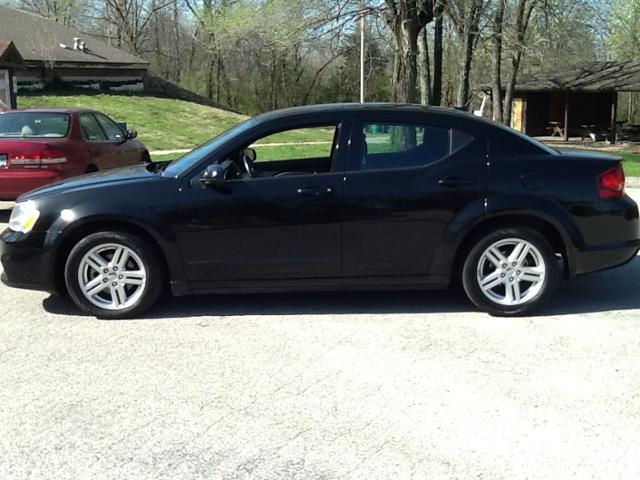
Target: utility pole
<point>362,55</point>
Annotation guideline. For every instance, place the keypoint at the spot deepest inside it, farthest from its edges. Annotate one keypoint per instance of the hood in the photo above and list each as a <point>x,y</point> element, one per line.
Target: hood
<point>116,176</point>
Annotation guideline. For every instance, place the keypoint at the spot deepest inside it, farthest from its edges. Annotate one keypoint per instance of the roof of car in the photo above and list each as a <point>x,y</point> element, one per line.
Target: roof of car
<point>359,107</point>
<point>50,110</point>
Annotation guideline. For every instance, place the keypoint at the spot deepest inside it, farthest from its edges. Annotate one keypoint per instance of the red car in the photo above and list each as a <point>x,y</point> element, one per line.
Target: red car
<point>39,146</point>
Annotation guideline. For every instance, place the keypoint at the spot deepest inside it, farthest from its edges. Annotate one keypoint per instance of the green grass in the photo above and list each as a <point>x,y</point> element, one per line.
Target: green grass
<point>161,123</point>
<point>166,124</point>
<point>631,163</point>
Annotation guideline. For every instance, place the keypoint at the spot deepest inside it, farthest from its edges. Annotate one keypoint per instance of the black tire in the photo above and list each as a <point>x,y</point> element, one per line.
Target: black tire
<point>145,158</point>
<point>470,278</point>
<point>155,274</point>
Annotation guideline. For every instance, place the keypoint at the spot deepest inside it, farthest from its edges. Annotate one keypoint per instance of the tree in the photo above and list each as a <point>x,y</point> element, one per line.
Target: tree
<point>465,16</point>
<point>406,18</point>
<point>67,12</point>
<point>524,9</point>
<point>496,60</point>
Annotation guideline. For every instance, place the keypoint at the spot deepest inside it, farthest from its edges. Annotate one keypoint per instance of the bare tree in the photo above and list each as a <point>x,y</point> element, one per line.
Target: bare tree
<point>524,9</point>
<point>131,20</point>
<point>406,18</point>
<point>67,12</point>
<point>465,16</point>
<point>496,60</point>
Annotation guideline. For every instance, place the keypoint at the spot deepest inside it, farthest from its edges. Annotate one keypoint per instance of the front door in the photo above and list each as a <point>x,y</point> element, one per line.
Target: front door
<point>281,221</point>
<point>407,181</point>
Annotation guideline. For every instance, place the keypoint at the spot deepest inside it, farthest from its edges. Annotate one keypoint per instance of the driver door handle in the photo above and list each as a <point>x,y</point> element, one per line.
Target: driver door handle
<point>314,191</point>
<point>455,182</point>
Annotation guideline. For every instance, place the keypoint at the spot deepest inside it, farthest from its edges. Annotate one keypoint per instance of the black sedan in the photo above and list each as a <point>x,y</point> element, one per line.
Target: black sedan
<point>332,197</point>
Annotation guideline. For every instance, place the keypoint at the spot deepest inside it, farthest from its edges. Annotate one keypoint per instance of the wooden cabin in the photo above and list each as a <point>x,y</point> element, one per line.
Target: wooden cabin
<point>575,102</point>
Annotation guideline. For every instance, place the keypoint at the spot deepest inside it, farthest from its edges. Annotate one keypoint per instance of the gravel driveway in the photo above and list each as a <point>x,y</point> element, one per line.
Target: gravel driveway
<point>349,386</point>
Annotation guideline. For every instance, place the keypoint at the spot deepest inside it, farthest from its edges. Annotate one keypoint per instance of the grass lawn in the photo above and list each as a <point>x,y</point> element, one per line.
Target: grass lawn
<point>161,123</point>
<point>631,163</point>
<point>166,124</point>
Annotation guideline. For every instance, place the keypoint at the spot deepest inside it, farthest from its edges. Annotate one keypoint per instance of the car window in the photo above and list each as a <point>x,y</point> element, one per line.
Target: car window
<point>396,145</point>
<point>34,125</point>
<point>111,128</point>
<point>295,144</point>
<point>91,129</point>
<point>296,151</point>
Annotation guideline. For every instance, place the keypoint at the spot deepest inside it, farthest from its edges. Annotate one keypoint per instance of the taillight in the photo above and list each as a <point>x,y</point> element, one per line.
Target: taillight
<point>42,158</point>
<point>611,183</point>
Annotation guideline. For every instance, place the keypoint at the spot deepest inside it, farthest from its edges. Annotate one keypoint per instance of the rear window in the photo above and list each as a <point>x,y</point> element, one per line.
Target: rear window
<point>34,125</point>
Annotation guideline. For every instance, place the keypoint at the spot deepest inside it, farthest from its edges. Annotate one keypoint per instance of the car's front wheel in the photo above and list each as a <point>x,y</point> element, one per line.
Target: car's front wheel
<point>511,272</point>
<point>113,275</point>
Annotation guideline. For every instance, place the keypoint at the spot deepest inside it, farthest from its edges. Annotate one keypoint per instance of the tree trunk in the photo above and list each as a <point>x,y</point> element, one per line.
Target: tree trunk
<point>469,32</point>
<point>496,62</point>
<point>405,66</point>
<point>436,90</point>
<point>425,69</point>
<point>406,18</point>
<point>523,15</point>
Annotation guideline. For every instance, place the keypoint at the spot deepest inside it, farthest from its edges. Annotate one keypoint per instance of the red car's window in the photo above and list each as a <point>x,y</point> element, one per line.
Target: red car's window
<point>111,128</point>
<point>91,129</point>
<point>34,125</point>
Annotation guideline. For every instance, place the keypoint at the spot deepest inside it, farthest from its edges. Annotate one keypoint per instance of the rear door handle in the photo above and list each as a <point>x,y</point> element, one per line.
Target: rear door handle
<point>455,182</point>
<point>314,191</point>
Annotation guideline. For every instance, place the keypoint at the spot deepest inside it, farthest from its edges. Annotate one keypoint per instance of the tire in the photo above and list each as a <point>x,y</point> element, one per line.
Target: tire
<point>145,158</point>
<point>497,286</point>
<point>131,283</point>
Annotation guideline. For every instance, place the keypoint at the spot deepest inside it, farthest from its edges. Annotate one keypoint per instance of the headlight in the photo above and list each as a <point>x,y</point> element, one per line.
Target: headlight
<point>24,216</point>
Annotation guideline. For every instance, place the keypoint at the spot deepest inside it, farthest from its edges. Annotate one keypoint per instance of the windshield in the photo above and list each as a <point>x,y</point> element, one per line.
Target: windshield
<point>194,156</point>
<point>34,125</point>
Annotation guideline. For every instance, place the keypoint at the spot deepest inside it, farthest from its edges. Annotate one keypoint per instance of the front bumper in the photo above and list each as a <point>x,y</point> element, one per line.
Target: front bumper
<point>26,263</point>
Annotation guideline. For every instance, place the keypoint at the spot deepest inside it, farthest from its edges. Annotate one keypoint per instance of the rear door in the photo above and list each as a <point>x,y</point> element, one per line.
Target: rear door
<point>408,178</point>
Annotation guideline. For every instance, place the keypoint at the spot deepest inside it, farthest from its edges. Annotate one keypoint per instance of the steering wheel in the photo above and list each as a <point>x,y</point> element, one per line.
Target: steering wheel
<point>248,156</point>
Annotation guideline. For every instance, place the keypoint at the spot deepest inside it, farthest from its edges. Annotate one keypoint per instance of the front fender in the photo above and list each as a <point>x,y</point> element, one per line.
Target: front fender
<point>123,213</point>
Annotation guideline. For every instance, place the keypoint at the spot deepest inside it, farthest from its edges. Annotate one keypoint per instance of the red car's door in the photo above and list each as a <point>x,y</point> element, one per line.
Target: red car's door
<point>126,151</point>
<point>101,149</point>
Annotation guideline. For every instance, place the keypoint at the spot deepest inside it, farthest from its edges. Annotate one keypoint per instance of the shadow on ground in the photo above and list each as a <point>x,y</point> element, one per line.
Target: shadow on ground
<point>4,215</point>
<point>601,292</point>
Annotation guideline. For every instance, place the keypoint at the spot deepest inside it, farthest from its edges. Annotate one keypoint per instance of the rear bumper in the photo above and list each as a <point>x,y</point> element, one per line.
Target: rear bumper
<point>603,257</point>
<point>25,262</point>
<point>14,184</point>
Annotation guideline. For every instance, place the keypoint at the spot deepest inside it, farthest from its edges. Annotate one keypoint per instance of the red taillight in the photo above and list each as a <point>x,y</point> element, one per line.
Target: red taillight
<point>49,156</point>
<point>611,183</point>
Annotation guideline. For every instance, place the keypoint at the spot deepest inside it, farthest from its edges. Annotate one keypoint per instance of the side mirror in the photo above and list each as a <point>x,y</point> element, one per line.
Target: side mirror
<point>131,134</point>
<point>213,175</point>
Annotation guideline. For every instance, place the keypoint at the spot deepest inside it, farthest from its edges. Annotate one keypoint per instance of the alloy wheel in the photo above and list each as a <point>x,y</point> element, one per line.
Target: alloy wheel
<point>511,272</point>
<point>112,276</point>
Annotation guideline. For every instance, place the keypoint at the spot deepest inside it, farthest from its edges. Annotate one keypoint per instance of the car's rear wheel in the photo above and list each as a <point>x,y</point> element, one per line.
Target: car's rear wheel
<point>113,275</point>
<point>511,272</point>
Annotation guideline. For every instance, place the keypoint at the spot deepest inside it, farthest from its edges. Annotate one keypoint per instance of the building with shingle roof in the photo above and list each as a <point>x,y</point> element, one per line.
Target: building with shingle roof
<point>53,53</point>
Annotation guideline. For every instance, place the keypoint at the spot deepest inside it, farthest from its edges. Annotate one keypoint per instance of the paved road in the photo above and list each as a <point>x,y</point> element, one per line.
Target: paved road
<point>348,386</point>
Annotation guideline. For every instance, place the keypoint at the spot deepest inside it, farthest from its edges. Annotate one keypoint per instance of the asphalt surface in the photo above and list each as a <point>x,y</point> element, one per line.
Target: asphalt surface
<point>349,386</point>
